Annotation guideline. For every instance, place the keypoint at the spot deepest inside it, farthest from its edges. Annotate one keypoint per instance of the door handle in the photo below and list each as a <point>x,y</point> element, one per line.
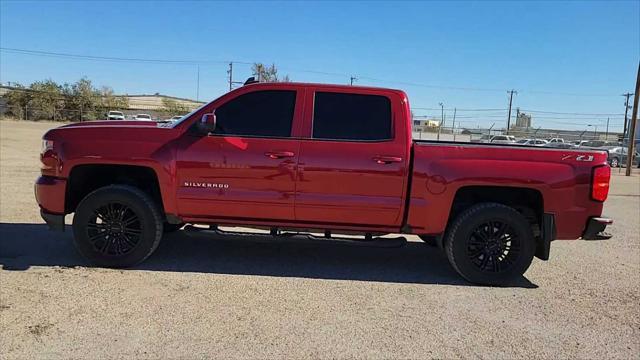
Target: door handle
<point>387,159</point>
<point>278,154</point>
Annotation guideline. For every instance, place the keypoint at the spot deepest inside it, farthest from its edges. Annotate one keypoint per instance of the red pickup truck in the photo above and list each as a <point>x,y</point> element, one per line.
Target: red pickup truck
<point>317,158</point>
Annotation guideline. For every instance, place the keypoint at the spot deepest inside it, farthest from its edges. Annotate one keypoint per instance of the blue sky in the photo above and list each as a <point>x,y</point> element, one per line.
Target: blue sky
<point>567,57</point>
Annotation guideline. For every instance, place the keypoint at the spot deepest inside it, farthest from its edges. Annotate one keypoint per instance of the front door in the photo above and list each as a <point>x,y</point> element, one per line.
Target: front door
<point>247,167</point>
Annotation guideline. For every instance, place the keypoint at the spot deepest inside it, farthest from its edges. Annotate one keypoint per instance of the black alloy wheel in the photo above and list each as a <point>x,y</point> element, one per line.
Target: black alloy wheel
<point>114,229</point>
<point>117,226</point>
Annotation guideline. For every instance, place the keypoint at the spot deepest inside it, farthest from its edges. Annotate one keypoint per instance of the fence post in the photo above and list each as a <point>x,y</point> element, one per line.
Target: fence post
<point>26,112</point>
<point>80,112</point>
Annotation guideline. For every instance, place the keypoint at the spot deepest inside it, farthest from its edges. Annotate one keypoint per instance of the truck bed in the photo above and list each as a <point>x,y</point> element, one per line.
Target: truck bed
<point>442,169</point>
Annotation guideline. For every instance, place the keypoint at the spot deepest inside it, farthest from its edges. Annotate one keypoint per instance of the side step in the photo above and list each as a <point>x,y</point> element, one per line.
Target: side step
<point>369,241</point>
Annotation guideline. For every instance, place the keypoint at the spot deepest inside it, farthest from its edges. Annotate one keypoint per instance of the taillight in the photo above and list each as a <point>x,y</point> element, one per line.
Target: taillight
<point>600,183</point>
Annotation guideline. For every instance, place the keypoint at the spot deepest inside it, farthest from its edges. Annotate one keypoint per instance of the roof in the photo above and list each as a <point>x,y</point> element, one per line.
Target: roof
<point>333,86</point>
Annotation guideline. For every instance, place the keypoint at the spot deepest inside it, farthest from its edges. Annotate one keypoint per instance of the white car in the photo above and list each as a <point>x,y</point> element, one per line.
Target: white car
<point>503,139</point>
<point>143,117</point>
<point>556,140</point>
<point>532,142</point>
<point>115,115</point>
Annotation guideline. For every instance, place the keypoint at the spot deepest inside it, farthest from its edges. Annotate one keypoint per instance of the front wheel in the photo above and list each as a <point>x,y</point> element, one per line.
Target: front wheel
<point>117,226</point>
<point>615,162</point>
<point>490,244</point>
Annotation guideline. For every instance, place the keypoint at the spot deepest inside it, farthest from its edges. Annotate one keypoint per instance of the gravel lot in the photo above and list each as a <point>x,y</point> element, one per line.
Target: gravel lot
<point>244,297</point>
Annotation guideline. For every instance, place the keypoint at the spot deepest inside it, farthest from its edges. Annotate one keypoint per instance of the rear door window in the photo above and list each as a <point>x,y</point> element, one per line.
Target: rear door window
<point>355,117</point>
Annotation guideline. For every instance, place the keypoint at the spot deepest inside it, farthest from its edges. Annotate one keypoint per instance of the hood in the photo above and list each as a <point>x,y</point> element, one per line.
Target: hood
<point>112,123</point>
<point>113,131</point>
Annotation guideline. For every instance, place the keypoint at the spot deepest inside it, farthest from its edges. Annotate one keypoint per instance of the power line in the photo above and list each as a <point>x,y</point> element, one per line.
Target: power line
<point>112,58</point>
<point>571,113</point>
<point>448,109</point>
<point>200,62</point>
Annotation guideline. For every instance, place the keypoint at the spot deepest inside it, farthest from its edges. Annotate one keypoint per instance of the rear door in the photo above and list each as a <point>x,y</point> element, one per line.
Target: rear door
<point>247,167</point>
<point>354,162</point>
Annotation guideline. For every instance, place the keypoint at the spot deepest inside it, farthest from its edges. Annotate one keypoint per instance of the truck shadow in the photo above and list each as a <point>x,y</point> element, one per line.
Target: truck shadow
<point>26,245</point>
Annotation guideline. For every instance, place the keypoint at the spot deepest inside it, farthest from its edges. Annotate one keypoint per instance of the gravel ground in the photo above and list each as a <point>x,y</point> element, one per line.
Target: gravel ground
<point>245,297</point>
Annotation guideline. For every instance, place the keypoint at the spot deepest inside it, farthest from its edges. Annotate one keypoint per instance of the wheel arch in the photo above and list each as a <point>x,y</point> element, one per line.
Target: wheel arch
<point>527,201</point>
<point>85,178</point>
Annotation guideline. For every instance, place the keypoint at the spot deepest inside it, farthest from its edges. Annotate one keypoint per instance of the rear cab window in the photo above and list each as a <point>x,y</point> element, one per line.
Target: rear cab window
<point>351,117</point>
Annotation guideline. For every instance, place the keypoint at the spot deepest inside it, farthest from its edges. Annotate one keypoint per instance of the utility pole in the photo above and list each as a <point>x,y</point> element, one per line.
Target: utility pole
<point>626,108</point>
<point>441,119</point>
<point>633,125</point>
<point>231,82</point>
<point>606,135</point>
<point>453,128</point>
<point>353,78</point>
<point>198,85</point>
<point>510,102</point>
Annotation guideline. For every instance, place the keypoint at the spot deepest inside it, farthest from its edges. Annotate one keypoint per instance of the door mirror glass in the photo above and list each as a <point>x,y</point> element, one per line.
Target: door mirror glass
<point>207,123</point>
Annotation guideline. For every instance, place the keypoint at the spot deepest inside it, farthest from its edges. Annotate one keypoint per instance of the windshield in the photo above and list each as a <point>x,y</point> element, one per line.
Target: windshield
<point>144,116</point>
<point>521,141</point>
<point>116,113</point>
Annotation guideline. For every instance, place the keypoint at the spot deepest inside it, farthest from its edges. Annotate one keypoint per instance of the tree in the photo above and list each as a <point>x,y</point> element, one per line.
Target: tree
<point>173,107</point>
<point>47,98</point>
<point>267,73</point>
<point>109,101</point>
<point>85,100</point>
<point>17,101</point>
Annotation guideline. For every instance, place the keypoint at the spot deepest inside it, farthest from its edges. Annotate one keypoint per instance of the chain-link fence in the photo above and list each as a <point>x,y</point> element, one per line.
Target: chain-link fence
<point>30,112</point>
<point>487,135</point>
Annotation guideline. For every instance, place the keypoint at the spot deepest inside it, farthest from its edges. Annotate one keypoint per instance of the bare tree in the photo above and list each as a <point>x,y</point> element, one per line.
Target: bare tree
<point>267,73</point>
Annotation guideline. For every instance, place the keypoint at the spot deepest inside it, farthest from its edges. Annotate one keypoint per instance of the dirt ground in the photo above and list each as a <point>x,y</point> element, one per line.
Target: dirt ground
<point>246,297</point>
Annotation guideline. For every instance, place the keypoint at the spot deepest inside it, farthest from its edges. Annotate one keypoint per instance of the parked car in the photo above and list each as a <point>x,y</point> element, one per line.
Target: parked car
<point>556,140</point>
<point>344,164</point>
<point>484,139</point>
<point>617,156</point>
<point>560,145</point>
<point>143,117</point>
<point>503,139</point>
<point>532,142</point>
<point>115,115</point>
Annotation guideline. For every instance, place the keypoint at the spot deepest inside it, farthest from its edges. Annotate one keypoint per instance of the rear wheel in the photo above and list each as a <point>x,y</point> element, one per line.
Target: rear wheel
<point>490,244</point>
<point>117,226</point>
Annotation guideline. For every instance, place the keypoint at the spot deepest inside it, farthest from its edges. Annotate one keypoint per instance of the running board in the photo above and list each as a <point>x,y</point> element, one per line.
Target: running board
<point>368,241</point>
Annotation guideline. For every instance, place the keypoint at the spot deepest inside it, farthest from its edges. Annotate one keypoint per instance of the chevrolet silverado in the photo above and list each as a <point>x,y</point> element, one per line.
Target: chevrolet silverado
<point>317,158</point>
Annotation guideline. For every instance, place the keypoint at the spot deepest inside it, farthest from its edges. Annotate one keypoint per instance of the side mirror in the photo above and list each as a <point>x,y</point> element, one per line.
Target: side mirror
<point>207,123</point>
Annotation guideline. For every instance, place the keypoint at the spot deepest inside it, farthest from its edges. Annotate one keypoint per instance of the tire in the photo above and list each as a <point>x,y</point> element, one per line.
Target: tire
<point>169,228</point>
<point>490,244</point>
<point>615,162</point>
<point>117,226</point>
